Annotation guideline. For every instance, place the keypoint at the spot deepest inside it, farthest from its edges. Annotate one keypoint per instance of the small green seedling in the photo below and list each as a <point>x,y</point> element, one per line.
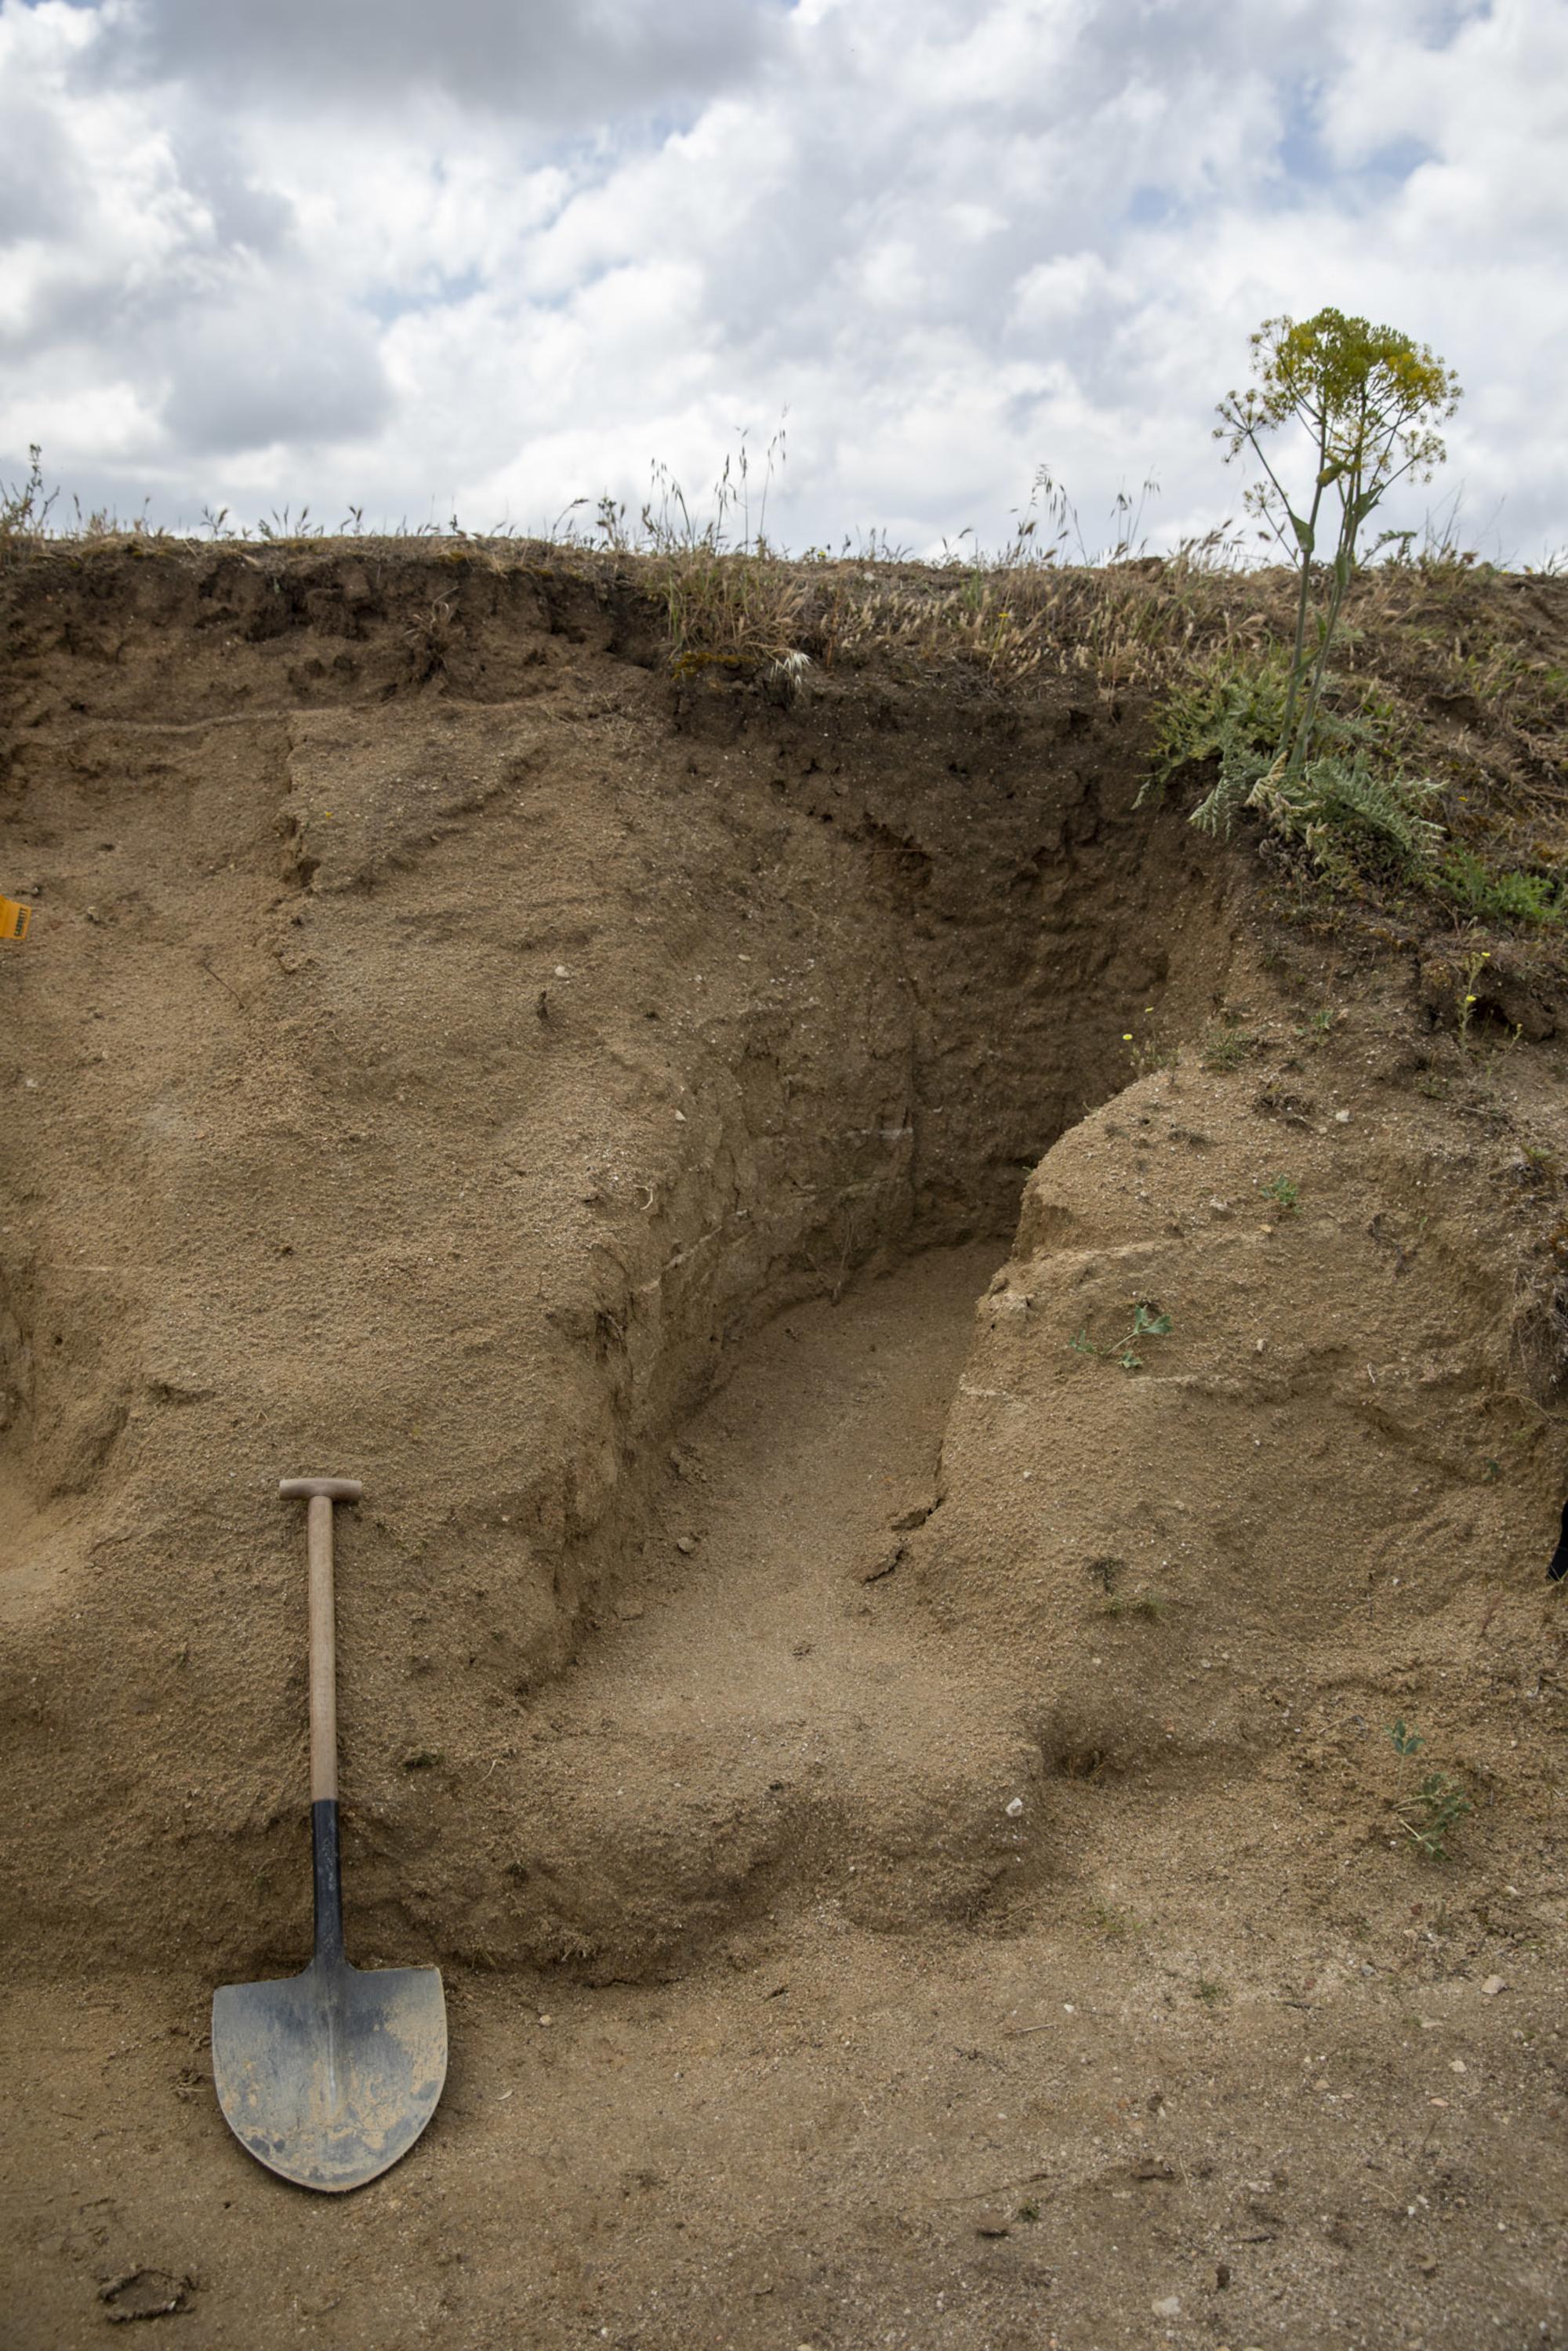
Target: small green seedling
<point>1406,1742</point>
<point>1285,1193</point>
<point>1443,1804</point>
<point>1224,1045</point>
<point>1148,1322</point>
<point>1431,1811</point>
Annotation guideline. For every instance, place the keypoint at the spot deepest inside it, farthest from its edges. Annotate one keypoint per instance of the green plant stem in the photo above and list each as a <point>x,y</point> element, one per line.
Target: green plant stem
<point>1305,599</point>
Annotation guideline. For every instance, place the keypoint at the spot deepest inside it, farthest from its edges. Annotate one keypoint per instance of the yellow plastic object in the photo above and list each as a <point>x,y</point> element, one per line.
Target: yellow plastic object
<point>14,919</point>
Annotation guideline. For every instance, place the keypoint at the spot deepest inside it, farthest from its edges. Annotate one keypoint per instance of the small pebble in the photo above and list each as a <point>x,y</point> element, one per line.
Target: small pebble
<point>1341,1118</point>
<point>1168,2307</point>
<point>1015,1808</point>
<point>1493,1985</point>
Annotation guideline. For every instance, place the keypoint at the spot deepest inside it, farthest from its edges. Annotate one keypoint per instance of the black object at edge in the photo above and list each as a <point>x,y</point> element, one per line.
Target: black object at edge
<point>1559,1567</point>
<point>329,1881</point>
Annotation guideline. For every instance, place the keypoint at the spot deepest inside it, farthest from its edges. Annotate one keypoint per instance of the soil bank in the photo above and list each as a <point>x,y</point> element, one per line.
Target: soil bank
<point>699,1155</point>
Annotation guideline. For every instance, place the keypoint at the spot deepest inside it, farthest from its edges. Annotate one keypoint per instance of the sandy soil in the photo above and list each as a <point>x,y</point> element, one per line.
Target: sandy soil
<point>902,1800</point>
<point>830,2134</point>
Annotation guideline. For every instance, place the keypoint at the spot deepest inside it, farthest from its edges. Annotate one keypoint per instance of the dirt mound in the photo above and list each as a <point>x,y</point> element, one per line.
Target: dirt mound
<point>593,1111</point>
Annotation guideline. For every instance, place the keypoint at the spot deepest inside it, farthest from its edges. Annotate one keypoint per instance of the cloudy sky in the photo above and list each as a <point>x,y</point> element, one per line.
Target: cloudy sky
<point>492,255</point>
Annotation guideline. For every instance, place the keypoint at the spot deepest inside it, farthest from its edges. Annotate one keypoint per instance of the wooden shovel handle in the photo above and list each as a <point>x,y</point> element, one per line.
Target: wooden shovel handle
<point>323,1493</point>
<point>323,1653</point>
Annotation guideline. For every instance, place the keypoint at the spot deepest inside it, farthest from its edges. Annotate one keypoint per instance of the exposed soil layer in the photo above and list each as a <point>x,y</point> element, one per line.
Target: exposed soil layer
<point>443,1081</point>
<point>903,1685</point>
<point>1305,2126</point>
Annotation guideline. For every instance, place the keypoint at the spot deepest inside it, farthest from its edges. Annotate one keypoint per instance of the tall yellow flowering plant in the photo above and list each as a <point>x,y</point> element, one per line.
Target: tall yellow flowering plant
<point>1368,397</point>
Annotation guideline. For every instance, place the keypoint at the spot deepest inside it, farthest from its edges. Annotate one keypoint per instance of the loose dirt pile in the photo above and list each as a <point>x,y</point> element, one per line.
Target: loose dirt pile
<point>903,1794</point>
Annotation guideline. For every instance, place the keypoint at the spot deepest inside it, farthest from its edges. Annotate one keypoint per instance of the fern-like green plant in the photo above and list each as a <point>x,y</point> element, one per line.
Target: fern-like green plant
<point>1351,819</point>
<point>1238,716</point>
<point>1233,714</point>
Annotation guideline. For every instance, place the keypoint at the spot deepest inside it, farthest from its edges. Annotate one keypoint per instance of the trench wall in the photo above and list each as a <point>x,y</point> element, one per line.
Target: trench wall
<point>441,1038</point>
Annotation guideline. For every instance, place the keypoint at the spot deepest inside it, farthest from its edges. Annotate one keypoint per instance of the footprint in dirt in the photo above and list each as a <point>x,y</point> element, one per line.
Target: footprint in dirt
<point>772,1708</point>
<point>146,2294</point>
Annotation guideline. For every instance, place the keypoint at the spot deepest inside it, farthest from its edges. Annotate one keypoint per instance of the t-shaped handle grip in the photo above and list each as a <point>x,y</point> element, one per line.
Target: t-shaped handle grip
<point>336,1490</point>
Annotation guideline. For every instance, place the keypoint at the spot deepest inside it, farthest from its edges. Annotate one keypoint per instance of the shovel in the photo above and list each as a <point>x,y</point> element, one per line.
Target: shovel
<point>329,2075</point>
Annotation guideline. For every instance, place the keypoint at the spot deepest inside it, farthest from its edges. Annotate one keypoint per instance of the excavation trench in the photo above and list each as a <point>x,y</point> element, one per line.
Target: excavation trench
<point>694,1156</point>
<point>444,1077</point>
<point>748,1720</point>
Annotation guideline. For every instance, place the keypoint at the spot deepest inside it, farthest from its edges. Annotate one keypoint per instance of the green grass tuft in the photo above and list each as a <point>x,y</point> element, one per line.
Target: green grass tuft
<point>1490,896</point>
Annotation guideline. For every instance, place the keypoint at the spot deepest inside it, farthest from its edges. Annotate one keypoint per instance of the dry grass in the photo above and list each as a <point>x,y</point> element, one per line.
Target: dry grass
<point>1461,670</point>
<point>727,611</point>
<point>1461,673</point>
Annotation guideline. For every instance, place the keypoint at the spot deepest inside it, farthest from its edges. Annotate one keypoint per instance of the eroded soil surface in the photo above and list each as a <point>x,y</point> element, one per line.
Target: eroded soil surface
<point>931,1385</point>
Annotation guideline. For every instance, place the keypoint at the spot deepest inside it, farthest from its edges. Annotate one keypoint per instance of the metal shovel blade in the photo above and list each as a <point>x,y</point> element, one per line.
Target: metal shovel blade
<point>329,2076</point>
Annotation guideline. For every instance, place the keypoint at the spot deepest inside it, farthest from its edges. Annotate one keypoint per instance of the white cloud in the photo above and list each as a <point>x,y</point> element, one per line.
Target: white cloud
<point>516,257</point>
<point>267,369</point>
<point>1055,292</point>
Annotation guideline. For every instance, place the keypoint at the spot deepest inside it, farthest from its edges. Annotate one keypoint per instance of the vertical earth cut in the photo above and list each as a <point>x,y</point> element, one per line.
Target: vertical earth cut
<point>440,1044</point>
